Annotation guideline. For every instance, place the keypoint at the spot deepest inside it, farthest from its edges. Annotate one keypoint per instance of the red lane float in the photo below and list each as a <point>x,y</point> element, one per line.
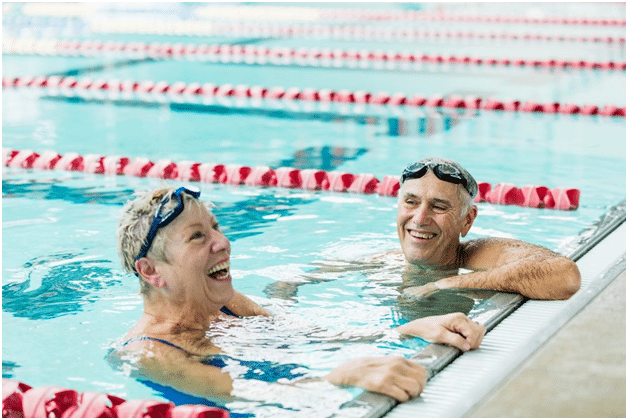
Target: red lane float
<point>183,93</point>
<point>23,401</point>
<point>261,56</point>
<point>284,177</point>
<point>529,196</point>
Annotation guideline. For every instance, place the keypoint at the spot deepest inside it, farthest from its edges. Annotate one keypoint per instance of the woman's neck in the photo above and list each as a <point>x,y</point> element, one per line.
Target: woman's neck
<point>167,319</point>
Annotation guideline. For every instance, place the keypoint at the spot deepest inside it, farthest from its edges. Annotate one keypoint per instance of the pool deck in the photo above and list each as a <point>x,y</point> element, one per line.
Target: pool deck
<point>579,372</point>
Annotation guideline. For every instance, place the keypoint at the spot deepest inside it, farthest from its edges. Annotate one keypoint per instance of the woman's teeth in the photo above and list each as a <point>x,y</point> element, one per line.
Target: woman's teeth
<point>220,271</point>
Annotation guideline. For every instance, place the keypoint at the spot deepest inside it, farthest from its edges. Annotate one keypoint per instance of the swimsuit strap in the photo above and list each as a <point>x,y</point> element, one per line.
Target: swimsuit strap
<point>145,337</point>
<point>227,311</point>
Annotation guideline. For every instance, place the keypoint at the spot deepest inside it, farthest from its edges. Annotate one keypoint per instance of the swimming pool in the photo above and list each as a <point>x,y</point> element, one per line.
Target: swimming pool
<point>60,270</point>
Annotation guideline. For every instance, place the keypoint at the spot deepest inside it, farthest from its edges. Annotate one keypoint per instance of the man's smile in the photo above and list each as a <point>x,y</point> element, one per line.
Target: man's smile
<point>421,234</point>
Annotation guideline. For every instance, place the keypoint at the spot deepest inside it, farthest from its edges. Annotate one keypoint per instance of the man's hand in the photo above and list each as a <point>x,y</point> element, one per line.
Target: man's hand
<point>422,291</point>
<point>394,376</point>
<point>455,329</point>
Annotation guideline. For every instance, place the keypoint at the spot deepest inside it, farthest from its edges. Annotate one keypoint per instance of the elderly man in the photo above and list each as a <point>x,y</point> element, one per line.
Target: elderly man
<point>436,209</point>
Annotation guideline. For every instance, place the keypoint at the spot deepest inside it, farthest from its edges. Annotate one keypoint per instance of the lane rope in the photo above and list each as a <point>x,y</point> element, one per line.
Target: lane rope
<point>284,177</point>
<point>182,92</point>
<point>249,54</point>
<point>341,32</point>
<point>242,11</point>
<point>364,15</point>
<point>23,401</point>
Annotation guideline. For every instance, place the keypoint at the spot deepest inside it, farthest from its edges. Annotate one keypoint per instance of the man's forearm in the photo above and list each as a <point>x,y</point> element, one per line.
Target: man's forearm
<point>553,278</point>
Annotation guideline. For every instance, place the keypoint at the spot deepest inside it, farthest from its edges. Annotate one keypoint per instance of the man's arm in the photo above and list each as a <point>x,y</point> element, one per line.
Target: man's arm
<point>509,265</point>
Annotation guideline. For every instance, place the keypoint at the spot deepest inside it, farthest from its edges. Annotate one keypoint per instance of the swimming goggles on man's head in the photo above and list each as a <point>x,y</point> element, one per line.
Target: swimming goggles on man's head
<point>161,220</point>
<point>443,171</point>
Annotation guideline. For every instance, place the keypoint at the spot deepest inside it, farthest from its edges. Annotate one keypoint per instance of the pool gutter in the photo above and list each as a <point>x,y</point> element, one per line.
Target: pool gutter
<point>466,380</point>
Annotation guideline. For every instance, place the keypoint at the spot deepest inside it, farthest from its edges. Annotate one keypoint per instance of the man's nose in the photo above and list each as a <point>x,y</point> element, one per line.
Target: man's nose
<point>421,215</point>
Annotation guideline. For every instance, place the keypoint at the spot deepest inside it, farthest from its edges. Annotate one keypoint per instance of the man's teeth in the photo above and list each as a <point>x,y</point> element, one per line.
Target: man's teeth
<point>217,268</point>
<point>422,235</point>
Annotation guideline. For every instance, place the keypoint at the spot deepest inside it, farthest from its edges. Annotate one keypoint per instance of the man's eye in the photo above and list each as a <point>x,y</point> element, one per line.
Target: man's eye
<point>197,234</point>
<point>216,226</point>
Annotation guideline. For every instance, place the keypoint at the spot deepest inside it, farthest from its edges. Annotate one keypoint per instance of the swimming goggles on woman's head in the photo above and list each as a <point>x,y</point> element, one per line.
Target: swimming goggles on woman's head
<point>161,220</point>
<point>443,171</point>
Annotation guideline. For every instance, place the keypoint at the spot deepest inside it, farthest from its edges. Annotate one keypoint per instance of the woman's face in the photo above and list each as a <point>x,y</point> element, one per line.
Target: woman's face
<point>197,268</point>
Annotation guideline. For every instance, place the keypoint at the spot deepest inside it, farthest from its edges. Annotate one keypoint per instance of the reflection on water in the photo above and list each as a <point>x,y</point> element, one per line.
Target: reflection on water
<point>56,285</point>
<point>382,280</point>
<point>301,344</point>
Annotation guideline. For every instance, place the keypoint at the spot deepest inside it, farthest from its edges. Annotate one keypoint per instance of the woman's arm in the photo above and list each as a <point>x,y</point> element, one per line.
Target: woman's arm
<point>244,306</point>
<point>455,329</point>
<point>392,375</point>
<point>166,365</point>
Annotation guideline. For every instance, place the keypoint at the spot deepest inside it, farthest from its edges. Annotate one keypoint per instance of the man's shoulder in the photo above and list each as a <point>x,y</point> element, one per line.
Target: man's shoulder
<point>491,241</point>
<point>479,252</point>
<point>394,255</point>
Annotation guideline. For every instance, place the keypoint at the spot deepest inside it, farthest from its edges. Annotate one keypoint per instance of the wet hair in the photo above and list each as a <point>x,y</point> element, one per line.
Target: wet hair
<point>134,224</point>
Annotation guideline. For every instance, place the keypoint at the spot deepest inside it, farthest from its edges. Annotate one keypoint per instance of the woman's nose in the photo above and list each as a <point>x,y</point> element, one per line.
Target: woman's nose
<point>219,242</point>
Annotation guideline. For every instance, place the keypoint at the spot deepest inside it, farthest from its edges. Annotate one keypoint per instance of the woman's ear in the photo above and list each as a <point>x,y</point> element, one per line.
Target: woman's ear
<point>147,270</point>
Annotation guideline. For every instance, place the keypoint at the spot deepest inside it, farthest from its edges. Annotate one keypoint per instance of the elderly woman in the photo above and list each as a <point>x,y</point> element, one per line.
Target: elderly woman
<point>173,244</point>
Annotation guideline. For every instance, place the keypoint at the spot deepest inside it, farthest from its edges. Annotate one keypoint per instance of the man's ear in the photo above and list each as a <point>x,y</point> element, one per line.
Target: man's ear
<point>147,270</point>
<point>472,213</point>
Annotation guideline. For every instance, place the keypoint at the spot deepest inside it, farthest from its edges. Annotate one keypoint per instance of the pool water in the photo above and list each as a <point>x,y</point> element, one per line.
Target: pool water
<point>305,255</point>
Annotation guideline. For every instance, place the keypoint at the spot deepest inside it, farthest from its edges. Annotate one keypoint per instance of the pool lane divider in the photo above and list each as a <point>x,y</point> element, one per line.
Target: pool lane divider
<point>205,13</point>
<point>284,177</point>
<point>374,33</point>
<point>182,92</point>
<point>419,16</point>
<point>260,55</point>
<point>20,400</point>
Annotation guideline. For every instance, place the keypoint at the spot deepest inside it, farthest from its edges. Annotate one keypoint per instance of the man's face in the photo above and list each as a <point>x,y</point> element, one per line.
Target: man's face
<point>429,220</point>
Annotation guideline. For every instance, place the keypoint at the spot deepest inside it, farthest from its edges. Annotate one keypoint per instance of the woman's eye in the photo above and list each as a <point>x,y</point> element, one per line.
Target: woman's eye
<point>197,234</point>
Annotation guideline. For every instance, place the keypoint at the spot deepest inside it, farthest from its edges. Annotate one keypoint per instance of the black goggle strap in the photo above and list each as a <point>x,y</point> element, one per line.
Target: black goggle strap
<point>159,222</point>
<point>443,171</point>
